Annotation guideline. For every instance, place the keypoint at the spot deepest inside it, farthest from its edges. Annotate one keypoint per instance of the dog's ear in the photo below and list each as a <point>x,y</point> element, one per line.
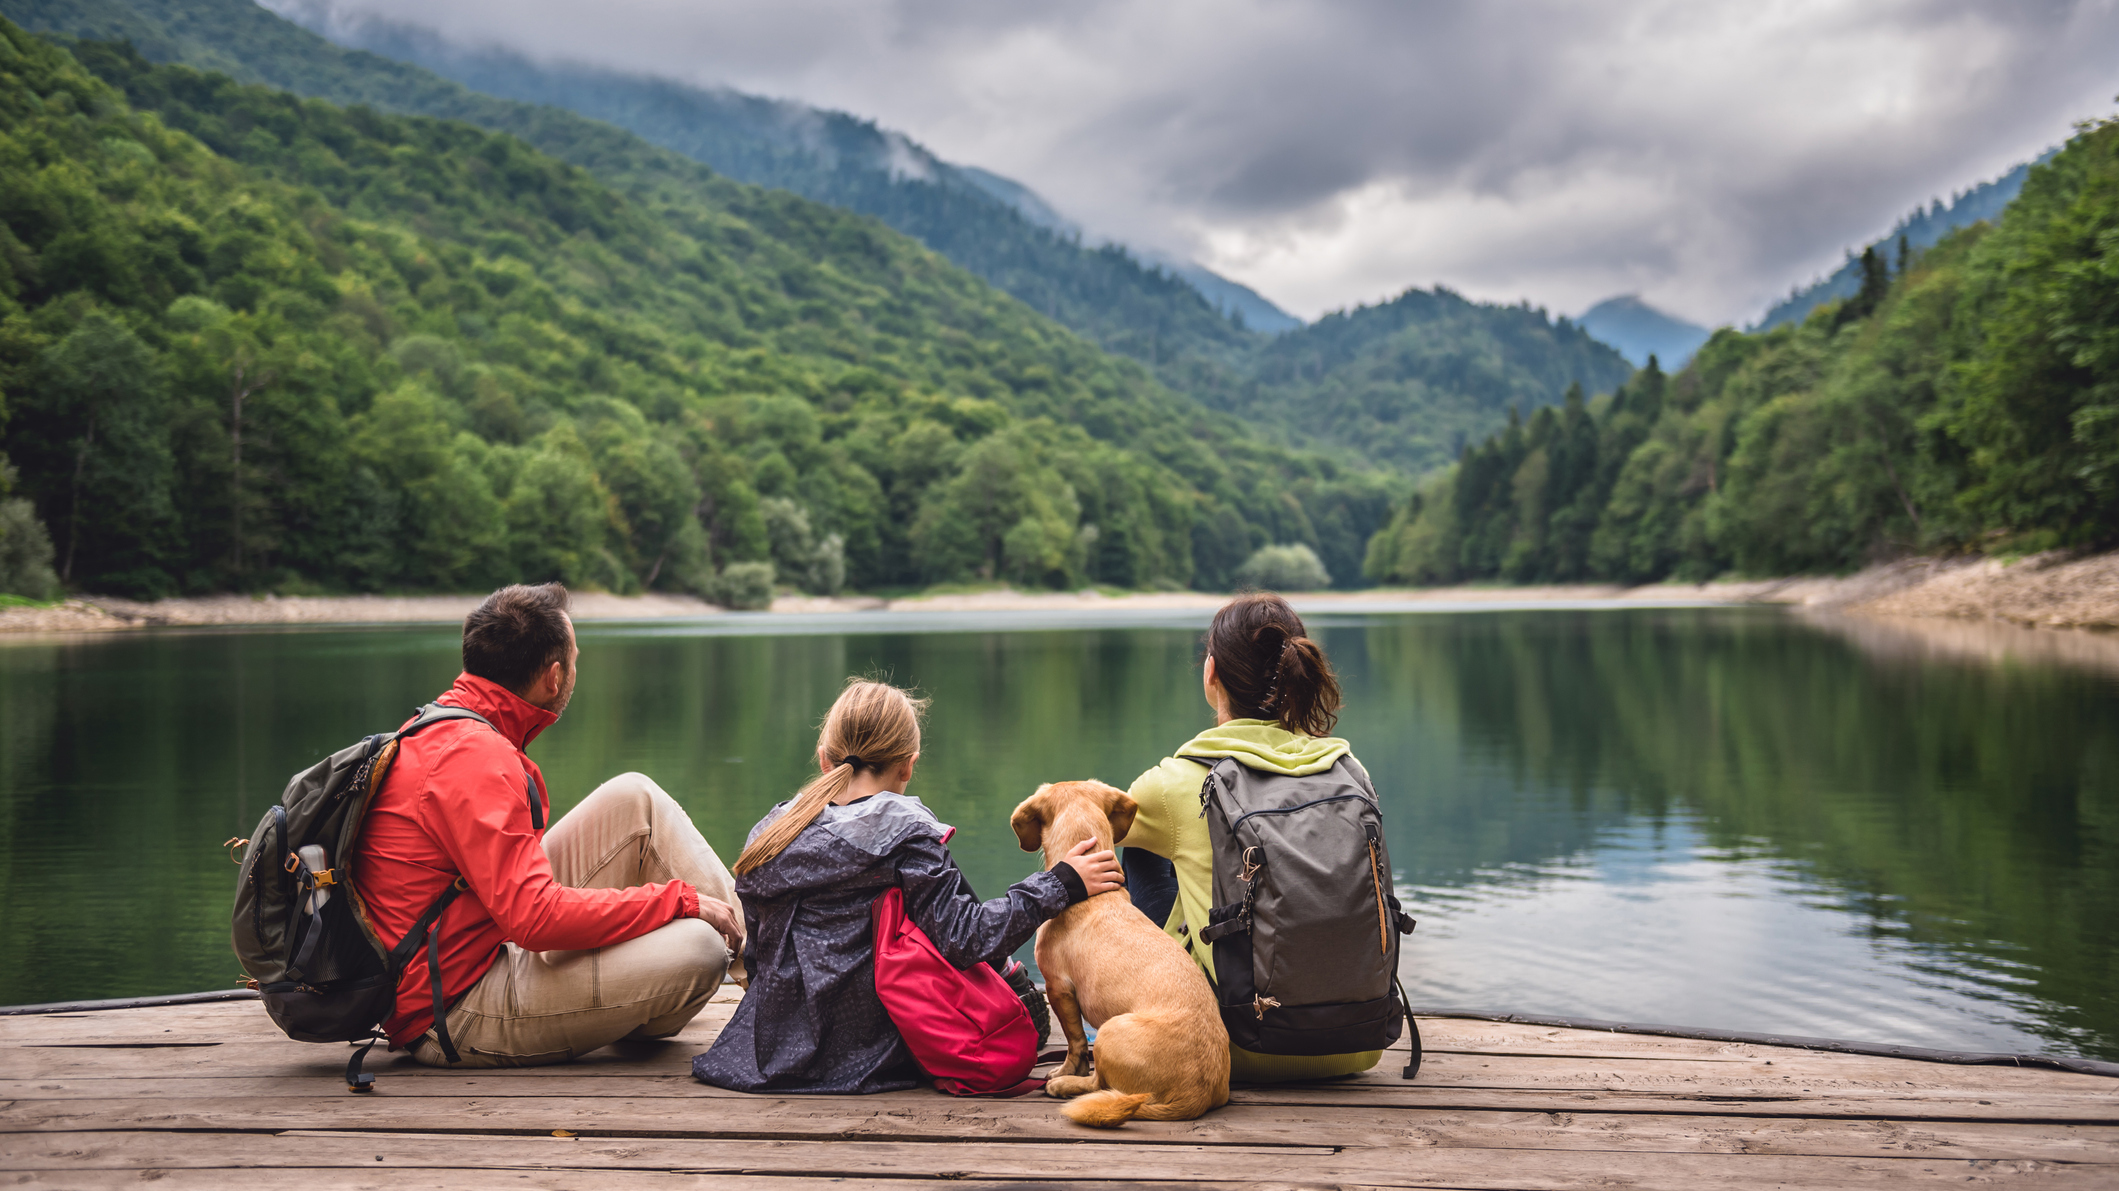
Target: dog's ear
<point>1120,808</point>
<point>1029,820</point>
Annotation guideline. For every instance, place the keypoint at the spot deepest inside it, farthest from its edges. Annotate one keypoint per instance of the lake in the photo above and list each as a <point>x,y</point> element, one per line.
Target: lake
<point>1739,818</point>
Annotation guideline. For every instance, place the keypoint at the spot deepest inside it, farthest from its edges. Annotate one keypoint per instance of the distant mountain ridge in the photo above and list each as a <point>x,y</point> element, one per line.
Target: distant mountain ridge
<point>1410,381</point>
<point>1923,228</point>
<point>837,158</point>
<point>1639,331</point>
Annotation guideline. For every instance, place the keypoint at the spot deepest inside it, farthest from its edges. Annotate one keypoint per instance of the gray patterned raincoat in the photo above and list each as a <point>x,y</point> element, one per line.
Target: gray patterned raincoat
<point>811,1020</point>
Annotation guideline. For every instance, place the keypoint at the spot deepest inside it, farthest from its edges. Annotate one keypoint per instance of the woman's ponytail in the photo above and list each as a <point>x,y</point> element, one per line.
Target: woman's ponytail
<point>872,726</point>
<point>1270,668</point>
<point>1309,692</point>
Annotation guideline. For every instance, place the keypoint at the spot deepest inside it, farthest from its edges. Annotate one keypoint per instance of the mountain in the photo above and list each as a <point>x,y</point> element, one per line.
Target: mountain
<point>1639,331</point>
<point>847,161</point>
<point>1407,383</point>
<point>255,341</point>
<point>1967,403</point>
<point>1921,229</point>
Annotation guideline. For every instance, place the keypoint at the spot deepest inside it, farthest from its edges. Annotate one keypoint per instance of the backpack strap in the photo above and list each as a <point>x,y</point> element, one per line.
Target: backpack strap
<point>1412,1032</point>
<point>400,955</point>
<point>435,713</point>
<point>427,930</point>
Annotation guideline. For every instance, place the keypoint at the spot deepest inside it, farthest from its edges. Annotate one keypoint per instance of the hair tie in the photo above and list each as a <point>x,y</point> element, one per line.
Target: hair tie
<point>852,759</point>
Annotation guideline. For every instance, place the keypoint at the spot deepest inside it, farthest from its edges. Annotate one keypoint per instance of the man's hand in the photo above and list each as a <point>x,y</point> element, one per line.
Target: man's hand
<point>723,917</point>
<point>1099,871</point>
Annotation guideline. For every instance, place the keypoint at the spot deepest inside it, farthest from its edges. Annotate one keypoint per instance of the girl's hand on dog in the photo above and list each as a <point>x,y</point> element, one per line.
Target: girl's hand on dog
<point>1099,871</point>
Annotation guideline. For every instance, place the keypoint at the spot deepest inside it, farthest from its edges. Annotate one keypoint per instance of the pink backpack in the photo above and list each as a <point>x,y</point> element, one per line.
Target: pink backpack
<point>966,1028</point>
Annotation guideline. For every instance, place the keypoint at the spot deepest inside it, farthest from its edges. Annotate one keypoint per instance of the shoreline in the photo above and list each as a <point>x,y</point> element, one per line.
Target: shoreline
<point>2041,591</point>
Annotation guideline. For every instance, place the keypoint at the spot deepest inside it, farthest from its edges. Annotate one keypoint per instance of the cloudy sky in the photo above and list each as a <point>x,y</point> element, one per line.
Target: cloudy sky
<point>1707,155</point>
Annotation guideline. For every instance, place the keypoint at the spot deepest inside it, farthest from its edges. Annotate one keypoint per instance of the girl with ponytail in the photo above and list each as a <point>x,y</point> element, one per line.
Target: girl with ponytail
<point>811,1020</point>
<point>1275,700</point>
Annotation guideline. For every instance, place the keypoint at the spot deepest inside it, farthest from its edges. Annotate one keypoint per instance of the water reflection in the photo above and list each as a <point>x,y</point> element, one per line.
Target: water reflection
<point>1727,817</point>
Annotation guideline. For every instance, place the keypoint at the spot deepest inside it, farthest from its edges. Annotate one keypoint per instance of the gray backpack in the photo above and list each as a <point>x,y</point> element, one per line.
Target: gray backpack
<point>299,928</point>
<point>1304,925</point>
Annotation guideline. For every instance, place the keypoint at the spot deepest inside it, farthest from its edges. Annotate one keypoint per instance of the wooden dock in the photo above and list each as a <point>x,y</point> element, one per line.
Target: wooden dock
<point>211,1096</point>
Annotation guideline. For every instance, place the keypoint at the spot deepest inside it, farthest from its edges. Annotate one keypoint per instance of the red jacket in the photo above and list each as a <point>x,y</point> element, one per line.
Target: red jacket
<point>456,802</point>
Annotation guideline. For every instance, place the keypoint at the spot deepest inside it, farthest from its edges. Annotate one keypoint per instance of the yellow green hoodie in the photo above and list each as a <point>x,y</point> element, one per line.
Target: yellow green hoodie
<point>1169,825</point>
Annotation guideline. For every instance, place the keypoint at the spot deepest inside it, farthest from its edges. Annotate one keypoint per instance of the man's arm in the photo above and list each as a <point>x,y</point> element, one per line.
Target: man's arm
<point>475,810</point>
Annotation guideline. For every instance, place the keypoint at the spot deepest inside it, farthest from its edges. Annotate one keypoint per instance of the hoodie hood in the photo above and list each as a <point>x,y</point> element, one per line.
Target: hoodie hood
<point>1267,747</point>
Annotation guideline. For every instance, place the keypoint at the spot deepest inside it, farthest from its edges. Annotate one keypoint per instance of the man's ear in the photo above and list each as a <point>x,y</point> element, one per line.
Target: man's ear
<point>1120,808</point>
<point>1029,820</point>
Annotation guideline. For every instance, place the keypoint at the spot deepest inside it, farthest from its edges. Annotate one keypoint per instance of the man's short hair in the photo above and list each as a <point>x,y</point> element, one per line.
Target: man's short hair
<point>515,633</point>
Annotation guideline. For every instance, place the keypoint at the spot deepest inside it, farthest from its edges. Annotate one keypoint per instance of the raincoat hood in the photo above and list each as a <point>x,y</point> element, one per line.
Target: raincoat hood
<point>1267,747</point>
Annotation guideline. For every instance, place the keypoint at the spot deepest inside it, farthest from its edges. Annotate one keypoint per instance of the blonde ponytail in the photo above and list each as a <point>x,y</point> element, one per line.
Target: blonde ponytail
<point>871,726</point>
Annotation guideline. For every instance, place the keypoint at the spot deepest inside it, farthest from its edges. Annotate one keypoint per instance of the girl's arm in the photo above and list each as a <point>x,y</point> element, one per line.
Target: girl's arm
<point>964,929</point>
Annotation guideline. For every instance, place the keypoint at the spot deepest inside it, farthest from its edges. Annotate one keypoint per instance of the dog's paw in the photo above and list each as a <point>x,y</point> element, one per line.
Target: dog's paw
<point>1065,1087</point>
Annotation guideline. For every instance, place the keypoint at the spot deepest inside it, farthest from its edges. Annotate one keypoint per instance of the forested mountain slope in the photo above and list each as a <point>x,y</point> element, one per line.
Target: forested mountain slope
<point>1103,293</point>
<point>1968,402</point>
<point>1409,382</point>
<point>1924,228</point>
<point>1150,315</point>
<point>248,340</point>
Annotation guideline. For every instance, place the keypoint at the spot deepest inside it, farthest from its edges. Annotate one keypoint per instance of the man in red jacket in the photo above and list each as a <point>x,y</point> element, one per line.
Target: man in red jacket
<point>615,923</point>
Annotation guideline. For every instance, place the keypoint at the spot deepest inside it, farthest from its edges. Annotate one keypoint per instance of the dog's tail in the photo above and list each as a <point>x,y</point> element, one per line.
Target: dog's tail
<point>1105,1109</point>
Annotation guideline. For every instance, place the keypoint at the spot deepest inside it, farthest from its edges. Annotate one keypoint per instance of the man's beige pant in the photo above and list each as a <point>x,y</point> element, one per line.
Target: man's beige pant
<point>536,1007</point>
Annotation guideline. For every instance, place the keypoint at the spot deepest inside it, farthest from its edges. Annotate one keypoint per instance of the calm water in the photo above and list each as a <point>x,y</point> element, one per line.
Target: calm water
<point>1723,817</point>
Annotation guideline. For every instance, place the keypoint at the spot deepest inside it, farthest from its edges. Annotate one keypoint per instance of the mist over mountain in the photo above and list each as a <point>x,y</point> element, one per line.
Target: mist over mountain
<point>1015,239</point>
<point>1639,331</point>
<point>1922,229</point>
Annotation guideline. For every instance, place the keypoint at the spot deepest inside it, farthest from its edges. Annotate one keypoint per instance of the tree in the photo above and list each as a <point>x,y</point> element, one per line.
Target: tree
<point>100,413</point>
<point>25,548</point>
<point>1283,568</point>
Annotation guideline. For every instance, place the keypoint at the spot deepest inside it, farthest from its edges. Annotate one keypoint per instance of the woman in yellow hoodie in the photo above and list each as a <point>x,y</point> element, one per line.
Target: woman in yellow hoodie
<point>1275,701</point>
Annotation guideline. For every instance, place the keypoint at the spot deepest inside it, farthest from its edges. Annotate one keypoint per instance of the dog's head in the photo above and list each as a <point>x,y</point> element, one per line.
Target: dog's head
<point>1101,806</point>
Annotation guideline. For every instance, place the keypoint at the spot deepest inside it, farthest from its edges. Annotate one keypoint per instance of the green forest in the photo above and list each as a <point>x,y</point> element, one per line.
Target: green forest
<point>1965,399</point>
<point>250,341</point>
<point>1397,386</point>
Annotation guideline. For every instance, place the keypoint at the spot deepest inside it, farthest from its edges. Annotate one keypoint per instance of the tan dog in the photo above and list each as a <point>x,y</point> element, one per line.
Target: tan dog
<point>1161,1051</point>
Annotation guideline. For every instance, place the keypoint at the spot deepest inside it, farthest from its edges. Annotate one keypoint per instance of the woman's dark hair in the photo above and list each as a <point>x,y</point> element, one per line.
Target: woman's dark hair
<point>515,633</point>
<point>1270,668</point>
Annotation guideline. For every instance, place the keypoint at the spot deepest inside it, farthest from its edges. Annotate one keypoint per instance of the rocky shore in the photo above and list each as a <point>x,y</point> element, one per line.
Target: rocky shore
<point>2042,591</point>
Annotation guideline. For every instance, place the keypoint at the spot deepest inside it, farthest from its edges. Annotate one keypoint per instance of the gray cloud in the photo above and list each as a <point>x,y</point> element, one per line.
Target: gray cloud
<point>1709,156</point>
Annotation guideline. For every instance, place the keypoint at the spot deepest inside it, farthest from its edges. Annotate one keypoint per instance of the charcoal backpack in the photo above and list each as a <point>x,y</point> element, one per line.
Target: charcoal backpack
<point>1304,924</point>
<point>300,930</point>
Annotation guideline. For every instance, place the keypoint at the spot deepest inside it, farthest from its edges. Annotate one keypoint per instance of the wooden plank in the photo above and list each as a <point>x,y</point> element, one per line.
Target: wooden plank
<point>272,1053</point>
<point>933,1119</point>
<point>561,1180</point>
<point>309,1069</point>
<point>1404,1166</point>
<point>245,1021</point>
<point>681,1116</point>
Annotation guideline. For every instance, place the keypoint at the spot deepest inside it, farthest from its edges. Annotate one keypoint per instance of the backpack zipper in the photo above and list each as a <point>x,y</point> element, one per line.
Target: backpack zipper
<point>1283,810</point>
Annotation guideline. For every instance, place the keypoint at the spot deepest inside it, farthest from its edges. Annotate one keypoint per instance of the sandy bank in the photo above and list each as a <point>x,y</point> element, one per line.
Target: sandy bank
<point>2046,591</point>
